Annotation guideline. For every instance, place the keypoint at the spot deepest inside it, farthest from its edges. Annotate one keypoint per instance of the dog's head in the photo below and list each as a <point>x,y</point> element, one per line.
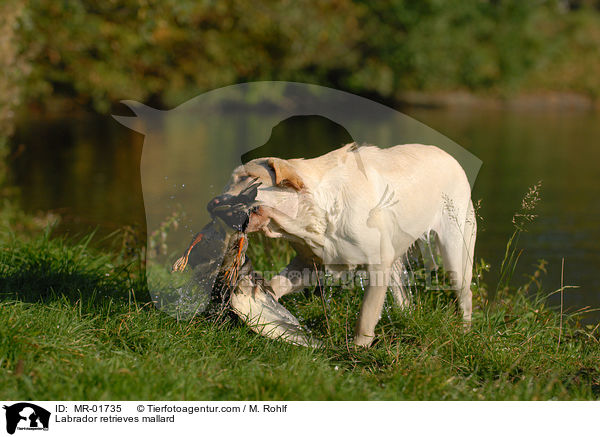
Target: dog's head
<point>257,191</point>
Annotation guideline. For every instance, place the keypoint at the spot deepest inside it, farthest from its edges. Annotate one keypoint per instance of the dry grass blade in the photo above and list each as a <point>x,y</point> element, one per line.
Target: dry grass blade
<point>323,301</point>
<point>562,277</point>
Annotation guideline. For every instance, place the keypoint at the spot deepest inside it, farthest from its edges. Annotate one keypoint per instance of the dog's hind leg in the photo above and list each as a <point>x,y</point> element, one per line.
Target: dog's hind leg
<point>425,247</point>
<point>456,238</point>
<point>397,278</point>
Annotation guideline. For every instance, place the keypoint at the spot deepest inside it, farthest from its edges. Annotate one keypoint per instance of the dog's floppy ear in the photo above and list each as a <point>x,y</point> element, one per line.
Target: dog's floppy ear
<point>285,174</point>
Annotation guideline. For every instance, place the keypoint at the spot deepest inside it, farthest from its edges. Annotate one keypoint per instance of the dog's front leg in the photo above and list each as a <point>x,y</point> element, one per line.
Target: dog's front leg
<point>290,279</point>
<point>370,311</point>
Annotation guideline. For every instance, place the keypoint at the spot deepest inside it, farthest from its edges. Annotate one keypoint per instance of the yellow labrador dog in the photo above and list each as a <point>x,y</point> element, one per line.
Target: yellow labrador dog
<point>364,206</point>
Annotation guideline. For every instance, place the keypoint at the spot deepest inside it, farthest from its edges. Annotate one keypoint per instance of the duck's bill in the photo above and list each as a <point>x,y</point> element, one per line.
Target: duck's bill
<point>235,211</point>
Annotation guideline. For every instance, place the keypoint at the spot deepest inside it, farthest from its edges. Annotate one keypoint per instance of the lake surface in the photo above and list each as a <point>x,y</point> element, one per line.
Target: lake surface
<point>87,169</point>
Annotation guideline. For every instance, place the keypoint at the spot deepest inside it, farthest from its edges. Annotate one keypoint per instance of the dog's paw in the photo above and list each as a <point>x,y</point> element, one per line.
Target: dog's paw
<point>363,340</point>
<point>466,325</point>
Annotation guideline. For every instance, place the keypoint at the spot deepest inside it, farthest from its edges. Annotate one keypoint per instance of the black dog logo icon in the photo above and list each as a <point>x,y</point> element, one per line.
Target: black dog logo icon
<point>26,416</point>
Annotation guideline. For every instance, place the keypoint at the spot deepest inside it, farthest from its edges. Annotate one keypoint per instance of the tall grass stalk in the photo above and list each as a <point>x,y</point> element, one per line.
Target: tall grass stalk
<point>562,293</point>
<point>520,220</point>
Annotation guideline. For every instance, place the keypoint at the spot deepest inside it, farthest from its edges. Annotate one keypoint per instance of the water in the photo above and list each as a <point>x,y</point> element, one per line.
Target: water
<point>517,150</point>
<point>87,170</point>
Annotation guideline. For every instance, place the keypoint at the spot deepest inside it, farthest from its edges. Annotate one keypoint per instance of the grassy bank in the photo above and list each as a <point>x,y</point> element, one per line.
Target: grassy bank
<point>76,324</point>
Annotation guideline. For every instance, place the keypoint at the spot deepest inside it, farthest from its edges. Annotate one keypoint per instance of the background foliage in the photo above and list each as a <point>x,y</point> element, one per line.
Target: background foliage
<point>90,53</point>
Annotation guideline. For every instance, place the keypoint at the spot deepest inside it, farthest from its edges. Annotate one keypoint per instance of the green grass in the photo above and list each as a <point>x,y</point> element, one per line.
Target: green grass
<point>76,324</point>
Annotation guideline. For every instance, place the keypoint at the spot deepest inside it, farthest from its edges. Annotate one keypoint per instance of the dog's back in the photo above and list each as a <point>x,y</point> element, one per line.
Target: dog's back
<point>401,191</point>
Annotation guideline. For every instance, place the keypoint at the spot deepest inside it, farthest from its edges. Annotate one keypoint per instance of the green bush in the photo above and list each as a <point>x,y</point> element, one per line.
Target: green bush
<point>164,52</point>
